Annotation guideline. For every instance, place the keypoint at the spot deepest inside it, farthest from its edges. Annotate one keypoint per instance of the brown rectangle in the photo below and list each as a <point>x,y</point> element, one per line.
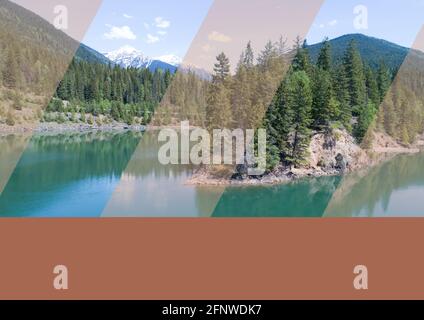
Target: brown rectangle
<point>211,258</point>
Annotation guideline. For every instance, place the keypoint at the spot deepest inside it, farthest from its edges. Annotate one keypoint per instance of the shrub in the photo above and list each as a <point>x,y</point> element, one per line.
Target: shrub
<point>9,120</point>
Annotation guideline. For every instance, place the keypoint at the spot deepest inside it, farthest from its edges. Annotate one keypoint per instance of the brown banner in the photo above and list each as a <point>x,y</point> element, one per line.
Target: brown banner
<point>211,258</point>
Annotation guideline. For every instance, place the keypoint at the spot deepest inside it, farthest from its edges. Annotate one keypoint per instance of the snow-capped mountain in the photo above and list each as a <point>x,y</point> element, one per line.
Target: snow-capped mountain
<point>171,59</point>
<point>130,57</point>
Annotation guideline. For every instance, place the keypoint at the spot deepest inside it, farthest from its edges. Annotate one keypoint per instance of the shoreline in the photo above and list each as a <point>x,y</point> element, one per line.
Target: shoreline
<point>57,128</point>
<point>354,159</point>
<point>360,159</point>
<point>280,175</point>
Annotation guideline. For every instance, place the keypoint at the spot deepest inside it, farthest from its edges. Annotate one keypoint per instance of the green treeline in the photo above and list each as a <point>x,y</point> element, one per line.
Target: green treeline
<point>122,94</point>
<point>321,97</point>
<point>311,98</point>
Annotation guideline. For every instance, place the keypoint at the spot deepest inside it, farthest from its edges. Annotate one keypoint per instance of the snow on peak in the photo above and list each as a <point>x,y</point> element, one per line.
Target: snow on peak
<point>171,59</point>
<point>128,56</point>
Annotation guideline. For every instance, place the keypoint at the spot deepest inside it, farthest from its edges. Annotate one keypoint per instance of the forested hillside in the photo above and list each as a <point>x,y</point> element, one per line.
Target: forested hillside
<point>314,97</point>
<point>120,94</point>
<point>373,51</point>
<point>33,58</point>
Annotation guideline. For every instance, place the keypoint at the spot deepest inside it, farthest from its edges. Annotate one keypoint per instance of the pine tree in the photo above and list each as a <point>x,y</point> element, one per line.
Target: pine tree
<point>324,57</point>
<point>11,71</point>
<point>301,60</point>
<point>388,115</point>
<point>383,81</point>
<point>221,68</point>
<point>299,99</point>
<point>324,107</point>
<point>323,103</point>
<point>248,56</point>
<point>365,119</point>
<point>242,95</point>
<point>341,89</point>
<point>372,87</point>
<point>218,108</point>
<point>354,71</point>
<point>219,115</point>
<point>281,46</point>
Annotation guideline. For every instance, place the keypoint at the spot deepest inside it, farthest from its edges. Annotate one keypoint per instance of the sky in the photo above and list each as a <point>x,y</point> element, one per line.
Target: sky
<point>397,21</point>
<point>163,27</point>
<point>156,27</point>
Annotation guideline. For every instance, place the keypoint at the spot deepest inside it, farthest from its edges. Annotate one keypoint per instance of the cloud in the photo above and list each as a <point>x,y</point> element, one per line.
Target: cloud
<point>152,38</point>
<point>219,37</point>
<point>162,23</point>
<point>162,32</point>
<point>207,47</point>
<point>123,32</point>
<point>332,23</point>
<point>127,16</point>
<point>329,24</point>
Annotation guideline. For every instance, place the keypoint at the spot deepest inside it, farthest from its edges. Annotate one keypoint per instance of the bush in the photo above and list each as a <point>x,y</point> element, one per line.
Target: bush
<point>62,118</point>
<point>17,104</point>
<point>9,120</point>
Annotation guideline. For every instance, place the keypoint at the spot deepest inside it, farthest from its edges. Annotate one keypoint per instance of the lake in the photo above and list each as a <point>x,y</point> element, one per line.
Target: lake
<point>117,174</point>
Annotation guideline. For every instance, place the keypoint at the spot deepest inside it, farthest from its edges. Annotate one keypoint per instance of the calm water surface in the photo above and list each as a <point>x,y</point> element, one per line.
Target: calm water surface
<point>118,174</point>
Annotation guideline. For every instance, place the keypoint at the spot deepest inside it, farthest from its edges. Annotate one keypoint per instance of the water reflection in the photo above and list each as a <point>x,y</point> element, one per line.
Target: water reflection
<point>66,174</point>
<point>11,148</point>
<point>393,188</point>
<point>150,189</point>
<point>302,198</point>
<point>119,175</point>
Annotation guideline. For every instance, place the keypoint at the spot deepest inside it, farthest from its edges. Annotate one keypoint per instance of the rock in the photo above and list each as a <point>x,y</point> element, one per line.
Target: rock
<point>329,142</point>
<point>340,163</point>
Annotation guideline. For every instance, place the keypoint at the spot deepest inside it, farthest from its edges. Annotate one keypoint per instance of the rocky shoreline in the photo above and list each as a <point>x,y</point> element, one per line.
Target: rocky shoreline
<point>334,155</point>
<point>53,127</point>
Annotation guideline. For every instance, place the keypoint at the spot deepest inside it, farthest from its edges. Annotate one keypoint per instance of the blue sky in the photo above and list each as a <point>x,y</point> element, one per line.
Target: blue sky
<point>156,27</point>
<point>394,20</point>
<point>162,27</point>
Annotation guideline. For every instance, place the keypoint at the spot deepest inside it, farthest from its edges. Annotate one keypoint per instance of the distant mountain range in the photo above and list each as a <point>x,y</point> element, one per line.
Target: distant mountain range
<point>28,25</point>
<point>372,50</point>
<point>130,57</point>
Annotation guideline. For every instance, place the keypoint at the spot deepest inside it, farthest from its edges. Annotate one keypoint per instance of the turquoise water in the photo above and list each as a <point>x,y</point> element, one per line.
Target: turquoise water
<point>91,175</point>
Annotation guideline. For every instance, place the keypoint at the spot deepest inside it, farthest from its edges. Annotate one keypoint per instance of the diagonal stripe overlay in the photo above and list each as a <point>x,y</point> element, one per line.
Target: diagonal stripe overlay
<point>228,27</point>
<point>49,52</point>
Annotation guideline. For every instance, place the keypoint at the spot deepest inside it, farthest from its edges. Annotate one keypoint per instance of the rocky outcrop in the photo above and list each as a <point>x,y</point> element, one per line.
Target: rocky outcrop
<point>335,151</point>
<point>330,153</point>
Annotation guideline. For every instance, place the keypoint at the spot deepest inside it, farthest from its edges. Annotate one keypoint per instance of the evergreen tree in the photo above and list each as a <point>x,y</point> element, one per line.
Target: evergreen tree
<point>301,61</point>
<point>248,57</point>
<point>341,89</point>
<point>221,68</point>
<point>299,100</point>
<point>324,57</point>
<point>218,110</point>
<point>354,71</point>
<point>365,119</point>
<point>372,87</point>
<point>11,70</point>
<point>383,81</point>
<point>324,108</point>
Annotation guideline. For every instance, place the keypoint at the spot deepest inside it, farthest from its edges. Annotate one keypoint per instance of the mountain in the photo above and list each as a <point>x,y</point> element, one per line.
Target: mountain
<point>130,57</point>
<point>372,50</point>
<point>88,54</point>
<point>171,59</point>
<point>27,26</point>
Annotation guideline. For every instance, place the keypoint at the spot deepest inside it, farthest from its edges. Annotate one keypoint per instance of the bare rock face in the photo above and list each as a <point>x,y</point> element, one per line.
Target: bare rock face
<point>334,151</point>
